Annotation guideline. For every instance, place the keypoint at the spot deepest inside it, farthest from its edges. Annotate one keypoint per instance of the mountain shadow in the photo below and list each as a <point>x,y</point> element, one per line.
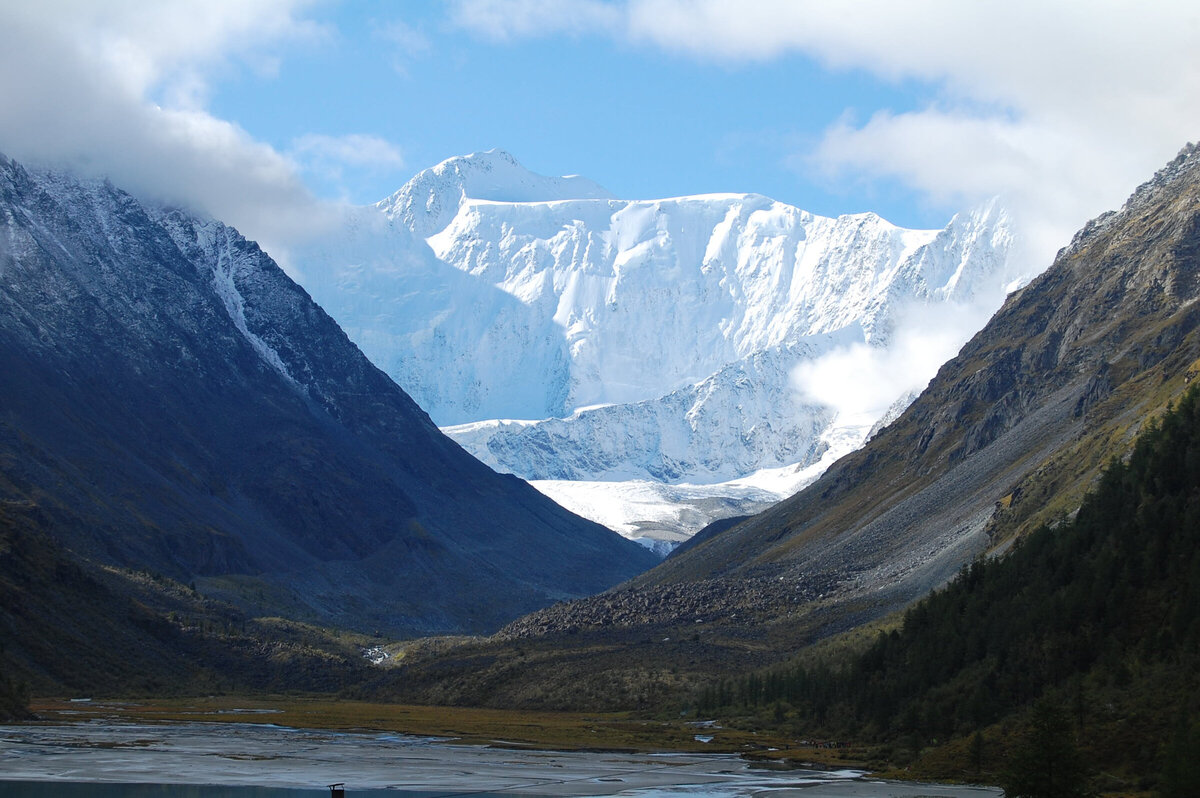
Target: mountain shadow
<point>173,402</point>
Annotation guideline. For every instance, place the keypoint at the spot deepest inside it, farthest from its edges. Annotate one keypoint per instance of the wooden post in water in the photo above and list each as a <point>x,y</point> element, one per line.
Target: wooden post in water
<point>337,790</point>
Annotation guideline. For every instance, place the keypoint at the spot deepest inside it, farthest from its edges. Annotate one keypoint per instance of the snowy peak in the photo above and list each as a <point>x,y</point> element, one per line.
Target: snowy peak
<point>968,257</point>
<point>428,202</point>
<point>491,292</point>
<point>680,319</point>
<point>652,296</point>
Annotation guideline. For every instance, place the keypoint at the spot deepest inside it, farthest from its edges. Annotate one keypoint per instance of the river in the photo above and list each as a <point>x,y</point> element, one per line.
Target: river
<point>104,759</point>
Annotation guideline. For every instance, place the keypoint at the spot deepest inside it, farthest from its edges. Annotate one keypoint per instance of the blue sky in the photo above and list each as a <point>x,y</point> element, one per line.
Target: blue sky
<point>642,122</point>
<point>262,112</point>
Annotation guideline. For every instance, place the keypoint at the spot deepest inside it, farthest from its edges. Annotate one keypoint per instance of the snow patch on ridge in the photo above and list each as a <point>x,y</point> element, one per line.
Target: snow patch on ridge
<point>214,237</point>
<point>660,516</point>
<point>740,420</point>
<point>213,243</point>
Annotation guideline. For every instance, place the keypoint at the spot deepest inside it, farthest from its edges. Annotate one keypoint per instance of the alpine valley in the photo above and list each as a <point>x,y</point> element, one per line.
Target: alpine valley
<point>206,487</point>
<point>174,404</point>
<point>637,360</point>
<point>795,617</point>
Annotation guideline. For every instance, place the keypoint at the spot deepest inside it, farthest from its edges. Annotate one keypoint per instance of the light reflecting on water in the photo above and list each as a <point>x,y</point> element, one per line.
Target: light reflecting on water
<point>59,789</point>
<point>106,759</point>
<point>53,789</point>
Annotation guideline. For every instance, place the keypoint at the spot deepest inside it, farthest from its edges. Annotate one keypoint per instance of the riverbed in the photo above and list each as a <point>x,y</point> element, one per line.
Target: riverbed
<point>102,759</point>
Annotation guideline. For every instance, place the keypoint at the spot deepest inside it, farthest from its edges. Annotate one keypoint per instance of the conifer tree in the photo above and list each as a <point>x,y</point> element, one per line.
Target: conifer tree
<point>1181,770</point>
<point>1047,763</point>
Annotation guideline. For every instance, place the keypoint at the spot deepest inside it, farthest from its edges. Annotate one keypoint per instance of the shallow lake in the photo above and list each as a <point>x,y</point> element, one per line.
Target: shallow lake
<point>98,759</point>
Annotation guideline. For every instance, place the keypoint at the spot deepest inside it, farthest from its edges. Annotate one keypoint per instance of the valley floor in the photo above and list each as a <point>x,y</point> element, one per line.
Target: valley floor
<point>248,749</point>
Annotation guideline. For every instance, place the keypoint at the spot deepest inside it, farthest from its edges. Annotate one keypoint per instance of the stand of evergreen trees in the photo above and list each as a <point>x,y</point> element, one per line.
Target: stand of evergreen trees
<point>1108,601</point>
<point>14,701</point>
<point>14,695</point>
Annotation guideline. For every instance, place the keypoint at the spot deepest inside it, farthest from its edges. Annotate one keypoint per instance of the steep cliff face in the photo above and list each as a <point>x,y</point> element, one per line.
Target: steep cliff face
<point>491,292</point>
<point>559,333</point>
<point>1010,432</point>
<point>655,295</point>
<point>173,401</point>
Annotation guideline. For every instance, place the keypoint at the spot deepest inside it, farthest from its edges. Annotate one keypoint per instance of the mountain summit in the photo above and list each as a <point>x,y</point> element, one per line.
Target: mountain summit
<point>174,402</point>
<point>428,202</point>
<point>561,334</point>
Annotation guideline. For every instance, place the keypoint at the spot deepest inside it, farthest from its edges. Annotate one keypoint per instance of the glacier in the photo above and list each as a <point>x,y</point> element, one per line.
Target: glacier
<point>637,359</point>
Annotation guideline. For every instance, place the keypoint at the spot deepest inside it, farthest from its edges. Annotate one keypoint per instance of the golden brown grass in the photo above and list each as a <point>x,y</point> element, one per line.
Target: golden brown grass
<point>548,730</point>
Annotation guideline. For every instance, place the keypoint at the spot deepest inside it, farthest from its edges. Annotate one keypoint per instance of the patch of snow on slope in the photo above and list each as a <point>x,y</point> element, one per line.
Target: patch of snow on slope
<point>214,236</point>
<point>213,243</point>
<point>742,419</point>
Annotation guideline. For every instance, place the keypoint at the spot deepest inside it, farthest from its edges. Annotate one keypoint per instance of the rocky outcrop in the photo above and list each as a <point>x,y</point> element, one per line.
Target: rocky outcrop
<point>718,601</point>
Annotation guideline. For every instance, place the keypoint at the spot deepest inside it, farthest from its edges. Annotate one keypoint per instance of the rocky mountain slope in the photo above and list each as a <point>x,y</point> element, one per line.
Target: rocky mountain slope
<point>173,401</point>
<point>568,335</point>
<point>1009,434</point>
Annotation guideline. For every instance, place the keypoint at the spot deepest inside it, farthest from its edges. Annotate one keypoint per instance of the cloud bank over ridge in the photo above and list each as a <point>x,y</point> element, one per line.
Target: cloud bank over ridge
<point>1060,108</point>
<point>121,90</point>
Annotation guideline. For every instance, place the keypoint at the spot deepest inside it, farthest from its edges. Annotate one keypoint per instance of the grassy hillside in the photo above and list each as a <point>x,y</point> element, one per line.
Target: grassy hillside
<point>1097,618</point>
<point>1011,431</point>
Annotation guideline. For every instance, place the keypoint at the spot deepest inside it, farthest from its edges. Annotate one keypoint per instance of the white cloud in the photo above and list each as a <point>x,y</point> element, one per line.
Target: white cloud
<point>1063,107</point>
<point>860,382</point>
<point>118,89</point>
<point>355,149</point>
<point>148,46</point>
<point>338,160</point>
<point>1049,176</point>
<point>407,43</point>
<point>503,20</point>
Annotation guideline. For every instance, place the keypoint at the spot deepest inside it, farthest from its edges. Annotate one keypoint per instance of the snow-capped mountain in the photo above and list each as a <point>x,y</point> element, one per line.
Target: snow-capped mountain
<point>563,334</point>
<point>742,419</point>
<point>428,202</point>
<point>655,295</point>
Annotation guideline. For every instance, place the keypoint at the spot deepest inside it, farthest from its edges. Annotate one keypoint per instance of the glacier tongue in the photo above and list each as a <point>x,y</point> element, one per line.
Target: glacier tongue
<point>660,515</point>
<point>567,336</point>
<point>742,419</point>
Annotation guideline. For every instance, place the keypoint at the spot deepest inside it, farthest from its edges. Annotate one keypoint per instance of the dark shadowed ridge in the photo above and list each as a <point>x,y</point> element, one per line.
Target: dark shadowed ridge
<point>172,401</point>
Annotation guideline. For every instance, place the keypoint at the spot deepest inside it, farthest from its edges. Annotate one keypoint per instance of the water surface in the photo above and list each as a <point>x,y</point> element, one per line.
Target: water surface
<point>101,759</point>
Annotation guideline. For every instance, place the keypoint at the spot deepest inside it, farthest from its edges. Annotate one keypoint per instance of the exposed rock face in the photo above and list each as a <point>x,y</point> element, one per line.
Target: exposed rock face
<point>1012,429</point>
<point>173,401</point>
